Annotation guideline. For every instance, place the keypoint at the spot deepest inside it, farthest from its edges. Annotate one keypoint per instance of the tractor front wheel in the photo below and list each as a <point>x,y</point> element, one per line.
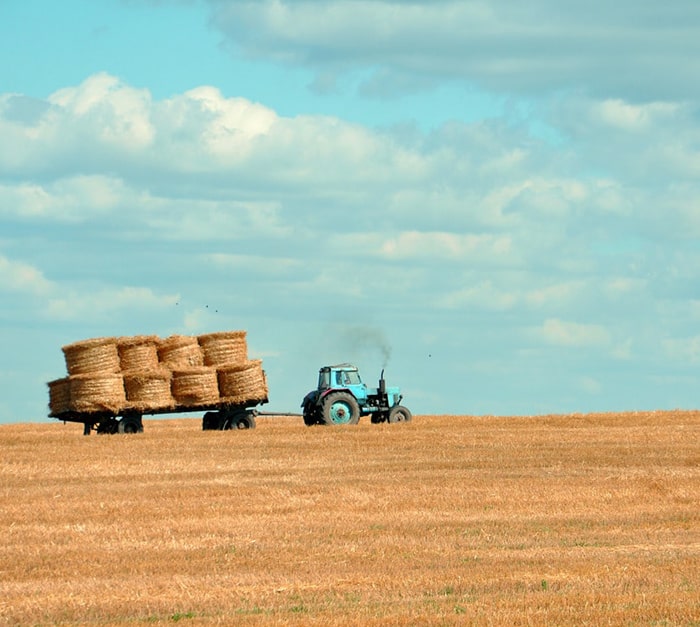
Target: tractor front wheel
<point>340,408</point>
<point>399,413</point>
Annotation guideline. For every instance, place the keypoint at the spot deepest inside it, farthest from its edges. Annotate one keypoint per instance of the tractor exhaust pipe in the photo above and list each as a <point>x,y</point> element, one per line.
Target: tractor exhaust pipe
<point>382,384</point>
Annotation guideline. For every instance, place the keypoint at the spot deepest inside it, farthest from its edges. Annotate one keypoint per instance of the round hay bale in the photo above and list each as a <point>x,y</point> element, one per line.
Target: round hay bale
<point>59,396</point>
<point>103,392</point>
<point>138,353</point>
<point>224,348</point>
<point>244,383</point>
<point>92,356</point>
<point>148,389</point>
<point>180,352</point>
<point>194,386</point>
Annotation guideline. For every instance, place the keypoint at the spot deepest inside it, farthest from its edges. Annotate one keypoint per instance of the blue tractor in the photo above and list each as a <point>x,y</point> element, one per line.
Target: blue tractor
<point>341,398</point>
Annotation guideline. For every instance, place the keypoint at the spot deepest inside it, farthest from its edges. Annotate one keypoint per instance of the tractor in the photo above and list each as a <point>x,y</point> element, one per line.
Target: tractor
<point>341,398</point>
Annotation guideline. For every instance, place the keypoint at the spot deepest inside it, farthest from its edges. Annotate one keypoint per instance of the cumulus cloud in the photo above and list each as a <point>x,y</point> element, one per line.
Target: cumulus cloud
<point>618,50</point>
<point>20,277</point>
<point>83,304</point>
<point>574,334</point>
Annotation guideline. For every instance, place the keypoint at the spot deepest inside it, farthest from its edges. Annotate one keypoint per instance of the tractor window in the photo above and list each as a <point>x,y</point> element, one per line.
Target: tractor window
<point>353,377</point>
<point>324,379</point>
<point>347,377</point>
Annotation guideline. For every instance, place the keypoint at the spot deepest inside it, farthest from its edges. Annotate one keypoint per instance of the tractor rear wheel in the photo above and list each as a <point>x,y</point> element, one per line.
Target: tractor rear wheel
<point>399,413</point>
<point>340,408</point>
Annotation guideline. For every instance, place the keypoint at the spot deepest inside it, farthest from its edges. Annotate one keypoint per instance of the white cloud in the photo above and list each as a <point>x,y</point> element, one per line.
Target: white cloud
<point>68,199</point>
<point>23,278</point>
<point>81,305</point>
<point>683,350</point>
<point>555,296</point>
<point>573,334</point>
<point>117,113</point>
<point>634,118</point>
<point>533,47</point>
<point>482,296</point>
<point>420,245</point>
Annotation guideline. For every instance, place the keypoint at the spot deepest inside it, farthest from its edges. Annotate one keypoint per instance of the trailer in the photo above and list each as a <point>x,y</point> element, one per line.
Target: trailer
<point>217,417</point>
<point>112,382</point>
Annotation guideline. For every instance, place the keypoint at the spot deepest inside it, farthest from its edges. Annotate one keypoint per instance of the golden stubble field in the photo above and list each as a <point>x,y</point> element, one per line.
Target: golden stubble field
<point>550,520</point>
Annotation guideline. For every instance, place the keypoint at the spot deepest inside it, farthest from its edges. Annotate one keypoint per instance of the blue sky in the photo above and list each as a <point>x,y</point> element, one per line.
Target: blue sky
<point>500,204</point>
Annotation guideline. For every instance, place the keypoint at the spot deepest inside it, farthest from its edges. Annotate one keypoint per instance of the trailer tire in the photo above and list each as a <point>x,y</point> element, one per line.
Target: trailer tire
<point>131,424</point>
<point>399,413</point>
<point>210,421</point>
<point>340,408</point>
<point>109,425</point>
<point>244,421</point>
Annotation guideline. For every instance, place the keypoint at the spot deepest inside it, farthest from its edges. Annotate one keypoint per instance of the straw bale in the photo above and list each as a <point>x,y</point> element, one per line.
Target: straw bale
<point>148,389</point>
<point>59,396</point>
<point>244,383</point>
<point>96,355</point>
<point>180,352</point>
<point>97,392</point>
<point>195,386</point>
<point>224,348</point>
<point>138,352</point>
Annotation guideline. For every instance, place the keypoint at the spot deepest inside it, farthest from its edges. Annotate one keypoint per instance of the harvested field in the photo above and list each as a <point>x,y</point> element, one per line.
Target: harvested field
<point>552,520</point>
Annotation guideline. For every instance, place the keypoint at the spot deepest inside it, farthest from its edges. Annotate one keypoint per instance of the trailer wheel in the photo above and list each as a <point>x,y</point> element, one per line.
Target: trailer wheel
<point>210,421</point>
<point>109,425</point>
<point>244,421</point>
<point>131,424</point>
<point>399,413</point>
<point>340,408</point>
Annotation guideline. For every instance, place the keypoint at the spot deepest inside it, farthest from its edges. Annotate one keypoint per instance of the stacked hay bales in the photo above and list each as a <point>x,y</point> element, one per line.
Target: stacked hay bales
<point>148,390</point>
<point>93,356</point>
<point>243,382</point>
<point>95,383</point>
<point>180,351</point>
<point>147,374</point>
<point>240,381</point>
<point>138,353</point>
<point>192,387</point>
<point>224,348</point>
<point>146,380</point>
<point>97,392</point>
<point>59,396</point>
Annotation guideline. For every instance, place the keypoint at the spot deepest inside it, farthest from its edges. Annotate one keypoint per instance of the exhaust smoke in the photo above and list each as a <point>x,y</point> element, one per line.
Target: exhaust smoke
<point>363,339</point>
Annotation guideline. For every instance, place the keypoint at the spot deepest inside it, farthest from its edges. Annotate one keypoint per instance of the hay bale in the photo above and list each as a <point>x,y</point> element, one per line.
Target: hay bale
<point>224,348</point>
<point>102,392</point>
<point>244,383</point>
<point>148,389</point>
<point>92,356</point>
<point>180,352</point>
<point>59,396</point>
<point>195,386</point>
<point>138,353</point>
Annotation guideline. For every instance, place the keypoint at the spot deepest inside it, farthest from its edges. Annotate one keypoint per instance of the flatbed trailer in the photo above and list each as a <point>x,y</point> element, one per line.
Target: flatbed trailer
<point>217,416</point>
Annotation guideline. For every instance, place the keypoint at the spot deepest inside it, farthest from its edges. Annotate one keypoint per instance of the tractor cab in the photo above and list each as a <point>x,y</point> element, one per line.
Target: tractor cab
<point>342,377</point>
